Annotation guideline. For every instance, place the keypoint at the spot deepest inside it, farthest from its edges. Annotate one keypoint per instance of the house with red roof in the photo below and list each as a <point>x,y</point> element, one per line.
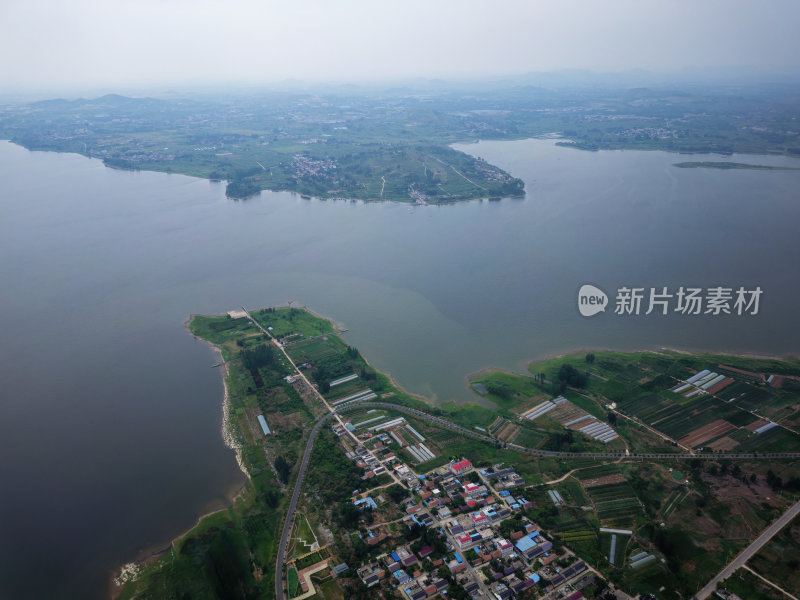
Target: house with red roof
<point>460,466</point>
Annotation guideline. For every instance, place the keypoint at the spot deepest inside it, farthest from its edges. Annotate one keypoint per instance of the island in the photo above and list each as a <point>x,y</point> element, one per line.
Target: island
<point>730,165</point>
<point>664,473</point>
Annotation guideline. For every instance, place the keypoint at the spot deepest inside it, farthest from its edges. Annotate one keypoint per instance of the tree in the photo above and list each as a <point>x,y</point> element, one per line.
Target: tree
<point>260,356</point>
<point>774,481</point>
<point>590,358</point>
<point>569,375</point>
<point>397,493</point>
<point>283,468</point>
<point>500,389</point>
<point>348,515</point>
<point>612,418</point>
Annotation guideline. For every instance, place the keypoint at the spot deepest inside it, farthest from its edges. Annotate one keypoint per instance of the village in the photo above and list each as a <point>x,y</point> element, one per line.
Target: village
<point>475,533</point>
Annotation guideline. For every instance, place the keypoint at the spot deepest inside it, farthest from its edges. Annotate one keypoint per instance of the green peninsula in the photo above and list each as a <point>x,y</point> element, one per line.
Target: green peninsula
<point>648,471</point>
<point>396,143</point>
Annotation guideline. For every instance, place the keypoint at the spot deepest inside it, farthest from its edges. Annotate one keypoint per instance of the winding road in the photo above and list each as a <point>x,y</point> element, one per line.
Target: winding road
<point>289,519</point>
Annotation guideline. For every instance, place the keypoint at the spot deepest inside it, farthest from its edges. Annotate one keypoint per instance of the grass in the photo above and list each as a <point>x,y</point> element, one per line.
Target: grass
<point>331,590</point>
<point>575,491</point>
<point>285,321</point>
<point>292,582</point>
<point>304,533</point>
<point>598,471</point>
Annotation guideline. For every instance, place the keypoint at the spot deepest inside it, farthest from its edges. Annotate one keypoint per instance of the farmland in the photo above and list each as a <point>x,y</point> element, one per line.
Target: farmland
<point>643,386</point>
<point>611,496</point>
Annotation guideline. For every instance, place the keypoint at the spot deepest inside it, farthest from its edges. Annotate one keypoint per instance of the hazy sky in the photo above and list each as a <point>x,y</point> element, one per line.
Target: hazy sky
<point>73,43</point>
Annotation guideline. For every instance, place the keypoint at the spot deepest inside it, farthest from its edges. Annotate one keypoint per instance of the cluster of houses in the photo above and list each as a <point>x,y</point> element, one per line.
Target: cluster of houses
<point>467,507</point>
<point>403,569</point>
<point>366,460</point>
<point>375,455</point>
<point>303,167</point>
<point>468,510</point>
<point>503,478</point>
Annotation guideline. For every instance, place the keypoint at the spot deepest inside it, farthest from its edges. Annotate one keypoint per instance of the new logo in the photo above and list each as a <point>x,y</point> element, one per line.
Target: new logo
<point>591,300</point>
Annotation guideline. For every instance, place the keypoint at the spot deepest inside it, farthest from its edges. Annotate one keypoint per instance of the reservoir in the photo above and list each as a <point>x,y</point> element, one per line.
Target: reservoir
<point>110,413</point>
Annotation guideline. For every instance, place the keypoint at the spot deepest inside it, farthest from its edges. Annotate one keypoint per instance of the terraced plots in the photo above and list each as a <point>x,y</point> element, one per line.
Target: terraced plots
<point>572,417</point>
<point>673,501</point>
<point>612,496</point>
<point>315,350</point>
<point>713,410</point>
<point>567,530</point>
<point>504,430</point>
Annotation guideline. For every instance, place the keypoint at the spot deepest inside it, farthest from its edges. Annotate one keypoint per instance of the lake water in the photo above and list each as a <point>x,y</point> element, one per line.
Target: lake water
<point>109,436</point>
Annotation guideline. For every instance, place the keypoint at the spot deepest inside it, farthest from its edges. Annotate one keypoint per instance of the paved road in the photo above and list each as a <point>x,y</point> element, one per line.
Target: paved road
<point>750,551</point>
<point>289,520</point>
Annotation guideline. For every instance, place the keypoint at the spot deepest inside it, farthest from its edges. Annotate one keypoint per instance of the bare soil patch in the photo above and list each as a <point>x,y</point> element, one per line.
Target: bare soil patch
<point>723,443</point>
<point>605,480</point>
<point>756,425</point>
<point>712,430</point>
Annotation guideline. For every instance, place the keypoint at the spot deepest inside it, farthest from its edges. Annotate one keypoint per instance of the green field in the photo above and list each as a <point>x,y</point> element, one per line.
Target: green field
<point>598,471</point>
<point>575,492</point>
<point>639,383</point>
<point>292,582</point>
<point>303,532</point>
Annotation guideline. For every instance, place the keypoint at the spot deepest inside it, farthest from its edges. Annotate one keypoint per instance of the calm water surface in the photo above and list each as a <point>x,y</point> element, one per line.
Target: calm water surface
<point>110,414</point>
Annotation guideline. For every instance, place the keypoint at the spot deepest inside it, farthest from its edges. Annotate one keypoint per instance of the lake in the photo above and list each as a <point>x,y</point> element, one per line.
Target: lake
<point>110,432</point>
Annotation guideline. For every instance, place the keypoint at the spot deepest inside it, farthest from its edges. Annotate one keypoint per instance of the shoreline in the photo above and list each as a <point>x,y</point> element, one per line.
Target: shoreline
<point>272,191</point>
<point>659,350</point>
<point>130,570</point>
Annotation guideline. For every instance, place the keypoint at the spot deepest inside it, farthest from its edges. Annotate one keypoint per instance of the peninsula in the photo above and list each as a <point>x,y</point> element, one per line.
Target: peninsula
<point>642,472</point>
<point>395,144</point>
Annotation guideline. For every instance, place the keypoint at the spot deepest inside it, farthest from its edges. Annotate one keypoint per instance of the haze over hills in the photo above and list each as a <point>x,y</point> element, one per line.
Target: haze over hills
<point>392,143</point>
